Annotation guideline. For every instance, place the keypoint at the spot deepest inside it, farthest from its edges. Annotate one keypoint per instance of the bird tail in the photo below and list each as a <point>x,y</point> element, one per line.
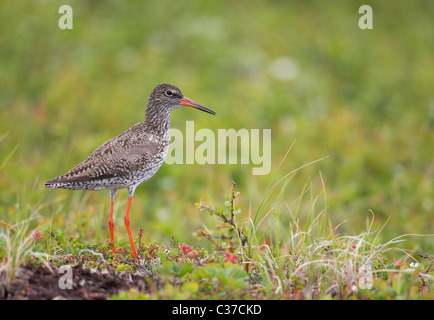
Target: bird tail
<point>54,183</point>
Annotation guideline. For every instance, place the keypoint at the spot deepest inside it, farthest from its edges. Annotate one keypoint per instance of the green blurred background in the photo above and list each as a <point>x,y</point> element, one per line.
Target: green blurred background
<point>364,98</point>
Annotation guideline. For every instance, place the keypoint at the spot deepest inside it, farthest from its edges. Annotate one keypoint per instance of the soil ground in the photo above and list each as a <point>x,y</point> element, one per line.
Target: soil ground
<point>41,283</point>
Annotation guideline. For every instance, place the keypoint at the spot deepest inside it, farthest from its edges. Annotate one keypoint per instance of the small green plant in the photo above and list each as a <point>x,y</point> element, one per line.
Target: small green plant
<point>18,245</point>
<point>53,234</point>
<point>230,234</point>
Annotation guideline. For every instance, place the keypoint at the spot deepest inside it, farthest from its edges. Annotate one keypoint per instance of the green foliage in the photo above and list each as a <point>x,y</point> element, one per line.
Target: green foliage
<point>179,270</point>
<point>130,295</point>
<point>311,262</point>
<point>230,277</point>
<point>122,267</point>
<point>361,101</point>
<point>55,233</point>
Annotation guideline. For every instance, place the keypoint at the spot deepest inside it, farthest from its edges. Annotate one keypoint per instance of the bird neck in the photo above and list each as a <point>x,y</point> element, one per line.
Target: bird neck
<point>157,120</point>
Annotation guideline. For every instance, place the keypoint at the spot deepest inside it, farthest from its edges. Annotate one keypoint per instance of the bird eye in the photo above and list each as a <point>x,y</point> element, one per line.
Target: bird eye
<point>169,92</point>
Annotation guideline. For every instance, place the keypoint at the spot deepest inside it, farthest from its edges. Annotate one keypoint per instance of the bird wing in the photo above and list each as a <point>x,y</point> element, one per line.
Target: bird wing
<point>118,156</point>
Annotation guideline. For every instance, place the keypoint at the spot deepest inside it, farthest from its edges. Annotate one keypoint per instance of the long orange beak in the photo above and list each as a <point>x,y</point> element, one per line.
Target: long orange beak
<point>190,103</point>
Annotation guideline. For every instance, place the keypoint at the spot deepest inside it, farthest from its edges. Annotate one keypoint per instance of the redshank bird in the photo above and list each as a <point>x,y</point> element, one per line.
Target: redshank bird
<point>132,157</point>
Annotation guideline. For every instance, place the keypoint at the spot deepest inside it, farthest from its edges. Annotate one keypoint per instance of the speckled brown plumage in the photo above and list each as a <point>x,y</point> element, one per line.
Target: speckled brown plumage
<point>132,157</point>
<point>126,160</point>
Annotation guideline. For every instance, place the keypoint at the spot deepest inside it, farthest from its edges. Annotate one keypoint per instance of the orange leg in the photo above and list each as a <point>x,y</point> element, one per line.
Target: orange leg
<point>111,226</point>
<point>127,224</point>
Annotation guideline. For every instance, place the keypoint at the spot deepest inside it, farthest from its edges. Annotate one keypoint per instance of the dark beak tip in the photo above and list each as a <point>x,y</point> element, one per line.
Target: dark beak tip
<point>210,112</point>
<point>190,103</point>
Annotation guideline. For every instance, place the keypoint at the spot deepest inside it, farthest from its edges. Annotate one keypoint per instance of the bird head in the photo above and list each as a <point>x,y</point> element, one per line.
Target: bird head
<point>169,96</point>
